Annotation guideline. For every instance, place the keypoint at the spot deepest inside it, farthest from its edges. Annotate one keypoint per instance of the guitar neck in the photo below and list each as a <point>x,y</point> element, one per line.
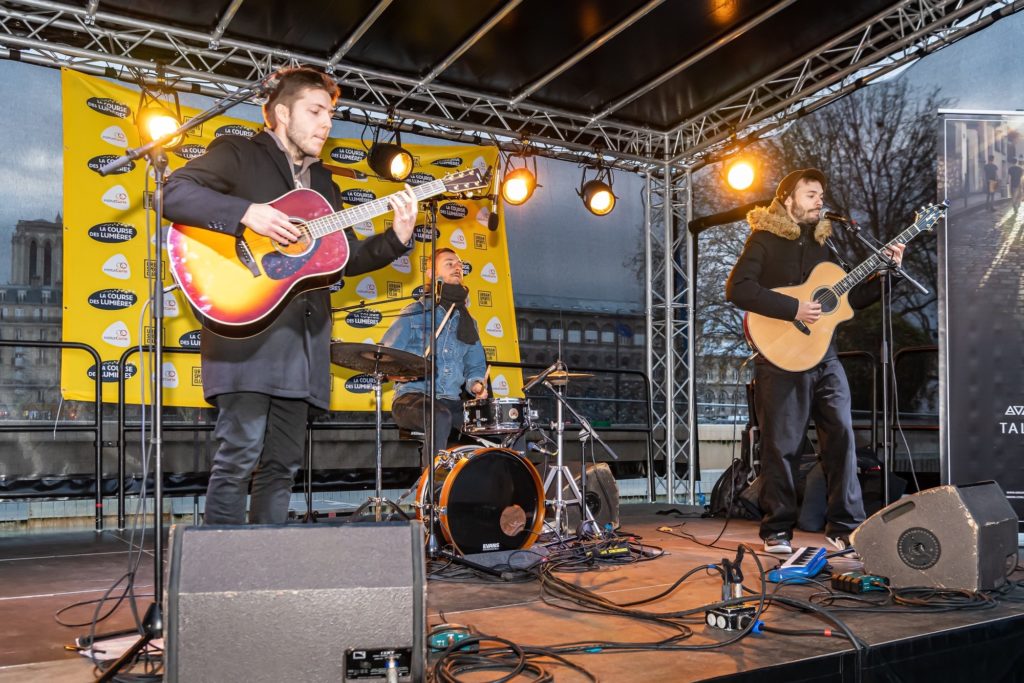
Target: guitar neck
<point>875,261</point>
<point>325,225</point>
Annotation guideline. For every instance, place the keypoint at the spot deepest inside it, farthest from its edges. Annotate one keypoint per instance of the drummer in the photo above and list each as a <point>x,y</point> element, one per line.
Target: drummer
<point>460,360</point>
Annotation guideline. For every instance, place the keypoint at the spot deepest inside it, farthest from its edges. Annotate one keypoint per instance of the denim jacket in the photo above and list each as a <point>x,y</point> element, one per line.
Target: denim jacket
<point>459,365</point>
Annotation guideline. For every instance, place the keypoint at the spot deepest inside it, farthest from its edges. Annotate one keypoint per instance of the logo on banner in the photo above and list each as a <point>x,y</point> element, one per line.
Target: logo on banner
<point>479,242</point>
<point>484,298</point>
<point>483,215</point>
<point>348,155</point>
<point>458,239</point>
<point>117,267</point>
<point>115,136</point>
<point>361,318</point>
<point>116,198</point>
<point>499,385</point>
<point>171,308</point>
<point>112,233</point>
<point>109,107</point>
<point>367,288</point>
<point>417,293</point>
<point>190,340</point>
<point>98,162</point>
<point>357,195</point>
<point>419,178</point>
<point>481,165</point>
<point>190,151</point>
<point>108,371</point>
<point>422,233</point>
<point>402,264</point>
<point>494,328</point>
<point>467,268</point>
<point>169,376</point>
<point>360,384</point>
<point>234,129</point>
<point>449,162</point>
<point>112,299</point>
<point>490,273</point>
<point>117,335</point>
<point>453,211</point>
<point>1012,427</point>
<point>364,228</point>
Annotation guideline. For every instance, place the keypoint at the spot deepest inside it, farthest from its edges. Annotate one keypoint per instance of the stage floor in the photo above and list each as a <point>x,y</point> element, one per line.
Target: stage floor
<point>42,573</point>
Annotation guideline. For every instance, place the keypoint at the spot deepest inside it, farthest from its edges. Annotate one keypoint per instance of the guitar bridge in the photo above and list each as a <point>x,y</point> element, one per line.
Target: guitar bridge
<point>244,255</point>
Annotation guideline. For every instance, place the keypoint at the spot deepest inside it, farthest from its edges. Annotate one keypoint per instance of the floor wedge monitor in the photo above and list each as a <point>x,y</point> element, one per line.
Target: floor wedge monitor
<point>295,603</point>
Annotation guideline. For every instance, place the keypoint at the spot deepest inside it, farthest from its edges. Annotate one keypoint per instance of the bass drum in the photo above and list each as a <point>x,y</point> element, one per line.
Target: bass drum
<point>487,499</point>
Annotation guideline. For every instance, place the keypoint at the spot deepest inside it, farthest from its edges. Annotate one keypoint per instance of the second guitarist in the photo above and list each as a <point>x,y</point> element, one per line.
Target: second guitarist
<point>264,385</point>
<point>787,240</point>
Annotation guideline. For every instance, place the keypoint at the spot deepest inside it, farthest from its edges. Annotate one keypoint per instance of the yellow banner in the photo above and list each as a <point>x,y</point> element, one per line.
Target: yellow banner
<point>107,266</point>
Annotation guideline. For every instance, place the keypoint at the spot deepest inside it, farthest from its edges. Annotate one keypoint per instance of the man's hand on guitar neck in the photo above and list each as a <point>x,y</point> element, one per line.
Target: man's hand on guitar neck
<point>404,205</point>
<point>265,220</point>
<point>809,312</point>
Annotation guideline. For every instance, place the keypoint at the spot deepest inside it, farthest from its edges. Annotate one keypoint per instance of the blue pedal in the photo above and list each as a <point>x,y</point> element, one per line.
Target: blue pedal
<point>803,564</point>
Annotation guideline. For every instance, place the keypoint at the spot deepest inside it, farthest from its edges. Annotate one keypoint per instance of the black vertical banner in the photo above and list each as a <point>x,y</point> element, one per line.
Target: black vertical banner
<point>981,302</point>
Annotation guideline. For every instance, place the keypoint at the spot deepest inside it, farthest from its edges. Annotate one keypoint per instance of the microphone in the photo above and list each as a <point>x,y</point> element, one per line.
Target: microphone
<point>832,216</point>
<point>540,449</point>
<point>492,218</point>
<point>541,377</point>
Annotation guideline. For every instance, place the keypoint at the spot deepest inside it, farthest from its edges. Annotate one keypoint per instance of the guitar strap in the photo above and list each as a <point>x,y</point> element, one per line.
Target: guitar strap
<point>835,252</point>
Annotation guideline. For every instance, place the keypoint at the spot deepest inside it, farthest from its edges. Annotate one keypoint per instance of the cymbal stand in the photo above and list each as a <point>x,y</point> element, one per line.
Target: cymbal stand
<point>560,470</point>
<point>378,501</point>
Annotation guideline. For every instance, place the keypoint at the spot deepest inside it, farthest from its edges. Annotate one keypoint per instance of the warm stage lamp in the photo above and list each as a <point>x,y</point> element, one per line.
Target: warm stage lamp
<point>156,122</point>
<point>597,197</point>
<point>740,175</point>
<point>390,161</point>
<point>518,186</point>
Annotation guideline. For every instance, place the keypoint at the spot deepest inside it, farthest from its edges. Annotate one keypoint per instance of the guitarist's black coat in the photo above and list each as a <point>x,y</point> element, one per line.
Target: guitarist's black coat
<point>291,358</point>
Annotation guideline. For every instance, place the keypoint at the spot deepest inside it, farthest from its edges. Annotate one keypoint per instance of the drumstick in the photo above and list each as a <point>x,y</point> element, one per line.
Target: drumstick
<point>487,374</point>
<point>440,327</point>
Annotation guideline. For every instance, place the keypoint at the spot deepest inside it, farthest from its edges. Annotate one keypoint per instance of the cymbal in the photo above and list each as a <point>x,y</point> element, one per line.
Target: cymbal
<point>371,358</point>
<point>561,376</point>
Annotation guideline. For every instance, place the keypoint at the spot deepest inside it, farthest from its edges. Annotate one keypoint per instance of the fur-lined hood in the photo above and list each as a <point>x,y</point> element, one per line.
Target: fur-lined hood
<point>775,220</point>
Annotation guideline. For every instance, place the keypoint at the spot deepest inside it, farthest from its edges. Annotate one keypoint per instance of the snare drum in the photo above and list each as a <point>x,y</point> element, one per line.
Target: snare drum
<point>495,415</point>
<point>487,499</point>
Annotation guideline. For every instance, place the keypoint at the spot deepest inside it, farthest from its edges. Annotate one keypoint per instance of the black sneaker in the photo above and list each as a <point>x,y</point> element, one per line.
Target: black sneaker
<point>841,542</point>
<point>778,544</point>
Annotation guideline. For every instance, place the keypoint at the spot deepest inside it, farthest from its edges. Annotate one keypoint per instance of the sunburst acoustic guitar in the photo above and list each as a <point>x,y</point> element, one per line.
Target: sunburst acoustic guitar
<point>790,344</point>
<point>238,285</point>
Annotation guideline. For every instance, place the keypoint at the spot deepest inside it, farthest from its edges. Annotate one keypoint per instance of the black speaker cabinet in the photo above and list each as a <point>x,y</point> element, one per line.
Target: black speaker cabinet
<point>601,496</point>
<point>962,537</point>
<point>295,603</point>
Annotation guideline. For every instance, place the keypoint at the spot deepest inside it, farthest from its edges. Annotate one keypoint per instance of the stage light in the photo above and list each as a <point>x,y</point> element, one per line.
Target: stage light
<point>740,174</point>
<point>518,186</point>
<point>156,121</point>
<point>390,161</point>
<point>596,193</point>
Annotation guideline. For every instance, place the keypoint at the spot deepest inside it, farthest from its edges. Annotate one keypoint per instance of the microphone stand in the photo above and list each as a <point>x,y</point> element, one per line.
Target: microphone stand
<point>152,622</point>
<point>879,249</point>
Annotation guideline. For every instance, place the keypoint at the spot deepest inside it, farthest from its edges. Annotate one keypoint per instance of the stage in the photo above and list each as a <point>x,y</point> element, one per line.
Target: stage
<point>42,573</point>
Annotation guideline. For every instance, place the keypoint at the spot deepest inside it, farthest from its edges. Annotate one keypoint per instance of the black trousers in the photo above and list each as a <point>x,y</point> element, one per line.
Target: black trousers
<point>785,402</point>
<point>412,410</point>
<point>261,441</point>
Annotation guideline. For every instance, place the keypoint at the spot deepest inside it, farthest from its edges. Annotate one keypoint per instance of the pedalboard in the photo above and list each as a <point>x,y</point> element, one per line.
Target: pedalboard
<point>857,582</point>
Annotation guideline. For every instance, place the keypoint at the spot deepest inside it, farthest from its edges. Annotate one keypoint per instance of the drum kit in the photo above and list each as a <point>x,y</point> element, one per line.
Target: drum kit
<point>485,497</point>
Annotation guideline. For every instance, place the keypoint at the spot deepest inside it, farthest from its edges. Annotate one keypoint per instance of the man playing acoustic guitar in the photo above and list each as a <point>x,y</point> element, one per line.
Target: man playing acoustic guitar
<point>788,239</point>
<point>264,385</point>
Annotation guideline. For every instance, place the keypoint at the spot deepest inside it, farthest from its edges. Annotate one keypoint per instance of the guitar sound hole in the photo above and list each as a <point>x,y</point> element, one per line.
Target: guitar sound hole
<point>828,300</point>
<point>299,247</point>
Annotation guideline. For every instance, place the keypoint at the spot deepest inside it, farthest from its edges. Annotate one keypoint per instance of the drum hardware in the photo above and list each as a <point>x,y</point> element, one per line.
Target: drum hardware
<point>377,361</point>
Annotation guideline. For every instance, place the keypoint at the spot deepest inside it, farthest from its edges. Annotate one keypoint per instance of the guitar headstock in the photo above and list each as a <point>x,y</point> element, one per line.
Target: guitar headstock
<point>466,181</point>
<point>927,216</point>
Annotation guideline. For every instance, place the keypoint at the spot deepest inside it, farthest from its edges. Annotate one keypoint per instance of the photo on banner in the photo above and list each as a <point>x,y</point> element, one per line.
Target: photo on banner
<point>111,258</point>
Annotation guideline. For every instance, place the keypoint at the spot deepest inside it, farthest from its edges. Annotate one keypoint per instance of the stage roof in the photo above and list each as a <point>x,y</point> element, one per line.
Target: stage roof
<point>636,80</point>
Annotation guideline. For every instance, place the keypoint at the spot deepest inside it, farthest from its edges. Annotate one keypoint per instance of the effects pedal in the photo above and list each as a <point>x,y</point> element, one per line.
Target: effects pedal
<point>857,582</point>
<point>732,618</point>
<point>443,636</point>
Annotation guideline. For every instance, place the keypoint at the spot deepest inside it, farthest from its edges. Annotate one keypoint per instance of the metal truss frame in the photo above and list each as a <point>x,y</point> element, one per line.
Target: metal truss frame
<point>128,48</point>
<point>117,45</point>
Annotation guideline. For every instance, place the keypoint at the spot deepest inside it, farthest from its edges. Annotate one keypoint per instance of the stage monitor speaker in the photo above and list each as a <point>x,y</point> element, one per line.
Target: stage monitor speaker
<point>295,603</point>
<point>601,496</point>
<point>959,537</point>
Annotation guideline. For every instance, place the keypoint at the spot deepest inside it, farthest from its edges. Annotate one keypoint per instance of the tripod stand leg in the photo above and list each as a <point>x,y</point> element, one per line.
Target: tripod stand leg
<point>152,627</point>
